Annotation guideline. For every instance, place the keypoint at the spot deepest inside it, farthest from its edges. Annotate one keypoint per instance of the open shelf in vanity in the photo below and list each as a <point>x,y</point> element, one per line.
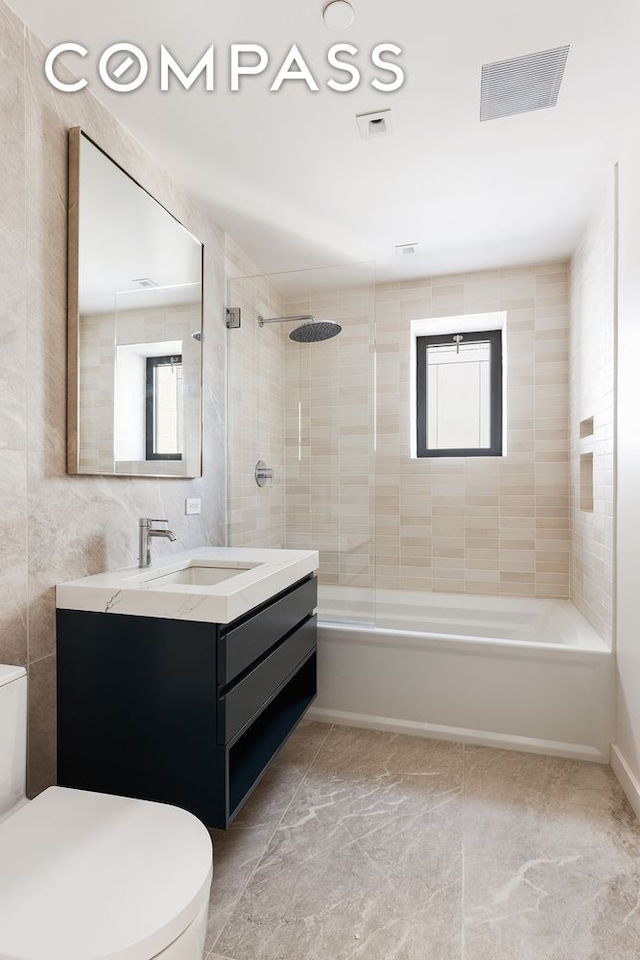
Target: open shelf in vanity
<point>183,711</point>
<point>251,753</point>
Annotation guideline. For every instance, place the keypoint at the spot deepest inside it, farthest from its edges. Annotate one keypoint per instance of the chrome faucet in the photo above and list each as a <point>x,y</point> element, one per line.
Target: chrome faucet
<point>146,531</point>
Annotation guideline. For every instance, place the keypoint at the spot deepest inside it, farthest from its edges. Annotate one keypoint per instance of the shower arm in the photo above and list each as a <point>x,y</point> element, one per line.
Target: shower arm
<point>303,316</point>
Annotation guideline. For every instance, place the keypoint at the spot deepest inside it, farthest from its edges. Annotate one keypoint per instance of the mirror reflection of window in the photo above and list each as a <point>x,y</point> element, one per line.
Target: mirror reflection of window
<point>164,408</point>
<point>149,421</point>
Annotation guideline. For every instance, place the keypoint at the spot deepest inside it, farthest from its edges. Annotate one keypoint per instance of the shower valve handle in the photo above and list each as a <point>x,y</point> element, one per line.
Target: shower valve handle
<point>263,473</point>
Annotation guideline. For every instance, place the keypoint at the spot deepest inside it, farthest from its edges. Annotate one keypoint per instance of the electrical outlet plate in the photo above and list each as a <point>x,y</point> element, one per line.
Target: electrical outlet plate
<point>192,505</point>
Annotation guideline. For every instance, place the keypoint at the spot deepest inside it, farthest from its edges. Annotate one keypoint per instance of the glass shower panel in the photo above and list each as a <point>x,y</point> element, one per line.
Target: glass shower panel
<point>325,391</point>
<point>255,416</point>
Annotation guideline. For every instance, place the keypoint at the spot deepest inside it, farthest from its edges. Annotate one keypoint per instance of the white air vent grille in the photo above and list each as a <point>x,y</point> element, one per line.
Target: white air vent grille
<point>522,84</point>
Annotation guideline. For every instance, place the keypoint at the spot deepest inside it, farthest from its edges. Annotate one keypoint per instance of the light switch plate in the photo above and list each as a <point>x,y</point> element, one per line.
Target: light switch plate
<point>192,505</point>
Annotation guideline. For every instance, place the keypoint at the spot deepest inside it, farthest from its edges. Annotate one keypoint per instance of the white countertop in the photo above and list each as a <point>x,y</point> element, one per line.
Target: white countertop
<point>144,593</point>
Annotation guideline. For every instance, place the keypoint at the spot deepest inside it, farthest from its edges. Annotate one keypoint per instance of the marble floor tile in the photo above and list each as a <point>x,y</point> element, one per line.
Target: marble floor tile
<point>366,861</point>
<point>348,906</point>
<point>238,850</point>
<point>366,788</point>
<point>327,816</point>
<point>361,754</point>
<point>361,845</point>
<point>236,855</point>
<point>552,861</point>
<point>273,795</point>
<point>527,777</point>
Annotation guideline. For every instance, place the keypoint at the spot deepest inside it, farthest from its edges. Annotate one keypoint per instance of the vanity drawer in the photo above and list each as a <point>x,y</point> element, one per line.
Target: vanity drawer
<point>238,648</point>
<point>244,701</point>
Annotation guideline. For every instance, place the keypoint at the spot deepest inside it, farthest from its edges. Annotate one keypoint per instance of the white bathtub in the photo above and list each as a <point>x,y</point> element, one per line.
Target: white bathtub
<point>518,673</point>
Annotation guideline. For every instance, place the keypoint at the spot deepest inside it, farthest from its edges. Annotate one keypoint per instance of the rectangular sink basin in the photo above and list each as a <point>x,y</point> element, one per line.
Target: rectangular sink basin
<point>197,575</point>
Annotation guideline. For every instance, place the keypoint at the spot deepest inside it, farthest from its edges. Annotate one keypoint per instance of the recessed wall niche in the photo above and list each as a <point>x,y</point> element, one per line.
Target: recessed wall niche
<point>586,482</point>
<point>586,428</point>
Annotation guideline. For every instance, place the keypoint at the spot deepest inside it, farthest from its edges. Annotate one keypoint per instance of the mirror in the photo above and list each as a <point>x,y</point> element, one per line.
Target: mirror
<point>135,326</point>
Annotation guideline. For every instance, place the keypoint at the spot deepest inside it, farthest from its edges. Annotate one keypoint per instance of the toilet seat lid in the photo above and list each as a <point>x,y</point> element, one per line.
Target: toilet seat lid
<point>88,876</point>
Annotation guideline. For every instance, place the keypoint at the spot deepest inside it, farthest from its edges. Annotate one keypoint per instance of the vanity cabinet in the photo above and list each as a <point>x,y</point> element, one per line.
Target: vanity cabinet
<point>183,711</point>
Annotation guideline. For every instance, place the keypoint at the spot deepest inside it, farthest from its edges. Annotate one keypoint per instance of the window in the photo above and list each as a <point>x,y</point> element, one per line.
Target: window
<point>459,395</point>
<point>164,408</point>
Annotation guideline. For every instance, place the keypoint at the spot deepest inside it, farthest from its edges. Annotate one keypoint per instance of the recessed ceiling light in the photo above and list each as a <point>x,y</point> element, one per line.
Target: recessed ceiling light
<point>338,15</point>
<point>374,124</point>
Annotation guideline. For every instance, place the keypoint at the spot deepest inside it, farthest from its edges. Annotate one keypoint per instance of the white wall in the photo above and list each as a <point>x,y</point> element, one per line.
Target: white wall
<point>626,752</point>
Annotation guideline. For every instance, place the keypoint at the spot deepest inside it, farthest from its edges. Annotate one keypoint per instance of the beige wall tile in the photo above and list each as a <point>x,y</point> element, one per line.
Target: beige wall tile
<point>486,516</point>
<point>591,395</point>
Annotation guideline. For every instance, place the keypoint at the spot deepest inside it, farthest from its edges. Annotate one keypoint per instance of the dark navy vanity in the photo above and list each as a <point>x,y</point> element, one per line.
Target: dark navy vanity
<point>183,711</point>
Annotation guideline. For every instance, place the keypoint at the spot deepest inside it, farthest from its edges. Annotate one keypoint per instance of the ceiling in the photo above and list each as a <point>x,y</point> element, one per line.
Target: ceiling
<point>287,173</point>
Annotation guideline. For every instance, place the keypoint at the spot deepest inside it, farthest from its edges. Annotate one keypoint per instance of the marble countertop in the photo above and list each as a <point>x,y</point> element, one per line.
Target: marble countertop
<point>149,592</point>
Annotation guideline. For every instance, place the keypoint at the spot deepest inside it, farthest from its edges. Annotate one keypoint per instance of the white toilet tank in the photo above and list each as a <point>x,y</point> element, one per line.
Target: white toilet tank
<point>13,738</point>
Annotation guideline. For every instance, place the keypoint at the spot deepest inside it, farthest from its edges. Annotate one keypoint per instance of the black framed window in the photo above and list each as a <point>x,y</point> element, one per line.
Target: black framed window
<point>459,394</point>
<point>164,408</point>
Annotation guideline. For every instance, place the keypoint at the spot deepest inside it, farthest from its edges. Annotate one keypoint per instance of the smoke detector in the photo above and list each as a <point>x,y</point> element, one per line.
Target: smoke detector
<point>373,125</point>
<point>522,84</point>
<point>338,15</point>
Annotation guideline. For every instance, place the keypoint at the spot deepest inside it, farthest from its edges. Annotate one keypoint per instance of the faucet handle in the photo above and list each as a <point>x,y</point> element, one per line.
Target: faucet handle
<point>147,521</point>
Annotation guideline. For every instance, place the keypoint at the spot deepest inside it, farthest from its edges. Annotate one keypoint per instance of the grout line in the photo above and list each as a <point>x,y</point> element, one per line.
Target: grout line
<point>47,656</point>
<point>271,836</point>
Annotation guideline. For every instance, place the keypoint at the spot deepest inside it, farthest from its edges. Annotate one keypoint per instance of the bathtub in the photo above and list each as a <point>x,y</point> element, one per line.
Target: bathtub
<point>523,674</point>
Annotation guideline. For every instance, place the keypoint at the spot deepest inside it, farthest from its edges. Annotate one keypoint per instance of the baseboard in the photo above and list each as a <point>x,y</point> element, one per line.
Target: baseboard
<point>573,751</point>
<point>628,781</point>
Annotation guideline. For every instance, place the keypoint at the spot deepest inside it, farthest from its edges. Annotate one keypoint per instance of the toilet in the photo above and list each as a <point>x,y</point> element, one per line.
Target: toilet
<point>89,876</point>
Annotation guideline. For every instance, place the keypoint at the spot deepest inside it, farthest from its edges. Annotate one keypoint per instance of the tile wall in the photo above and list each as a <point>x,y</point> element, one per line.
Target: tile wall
<point>54,527</point>
<point>330,431</point>
<point>478,525</point>
<point>592,406</point>
<point>379,517</point>
<point>351,488</point>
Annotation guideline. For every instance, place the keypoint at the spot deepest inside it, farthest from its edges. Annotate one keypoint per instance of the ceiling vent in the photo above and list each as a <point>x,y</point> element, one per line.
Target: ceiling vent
<point>145,282</point>
<point>406,249</point>
<point>522,84</point>
<point>373,125</point>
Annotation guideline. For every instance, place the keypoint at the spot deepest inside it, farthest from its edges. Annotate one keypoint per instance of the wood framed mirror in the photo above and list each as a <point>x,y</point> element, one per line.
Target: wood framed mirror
<point>134,326</point>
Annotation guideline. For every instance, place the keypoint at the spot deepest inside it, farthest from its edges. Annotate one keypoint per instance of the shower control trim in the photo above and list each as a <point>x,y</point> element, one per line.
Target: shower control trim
<point>263,473</point>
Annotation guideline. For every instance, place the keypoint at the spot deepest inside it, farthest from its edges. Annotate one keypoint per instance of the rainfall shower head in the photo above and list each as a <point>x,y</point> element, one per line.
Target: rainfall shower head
<point>311,331</point>
<point>315,330</point>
